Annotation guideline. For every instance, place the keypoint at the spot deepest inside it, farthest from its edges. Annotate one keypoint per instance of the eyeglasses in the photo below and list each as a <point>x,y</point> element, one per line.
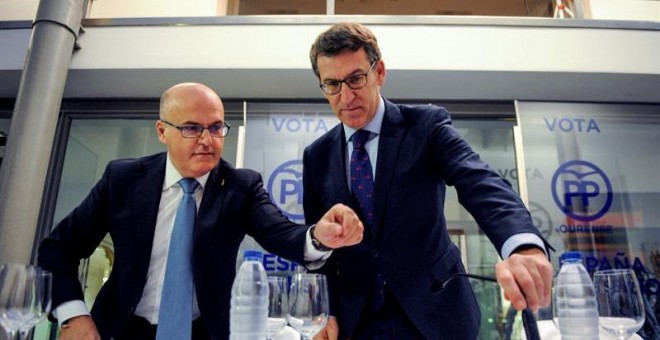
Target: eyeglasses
<point>358,81</point>
<point>216,130</point>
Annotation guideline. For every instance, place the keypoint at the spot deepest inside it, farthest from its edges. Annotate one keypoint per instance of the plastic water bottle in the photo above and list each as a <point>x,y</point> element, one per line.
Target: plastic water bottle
<point>577,308</point>
<point>249,299</point>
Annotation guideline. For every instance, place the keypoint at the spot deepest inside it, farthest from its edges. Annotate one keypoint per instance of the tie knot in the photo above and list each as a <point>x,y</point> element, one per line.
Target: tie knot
<point>188,185</point>
<point>359,138</point>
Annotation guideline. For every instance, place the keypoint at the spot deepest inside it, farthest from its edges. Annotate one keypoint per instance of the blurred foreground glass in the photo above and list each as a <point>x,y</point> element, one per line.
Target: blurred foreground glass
<point>278,305</point>
<point>24,298</point>
<point>555,317</point>
<point>620,304</point>
<point>41,283</point>
<point>308,304</point>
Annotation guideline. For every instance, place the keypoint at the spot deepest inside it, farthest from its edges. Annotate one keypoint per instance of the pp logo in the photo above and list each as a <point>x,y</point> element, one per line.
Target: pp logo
<point>581,190</point>
<point>286,188</point>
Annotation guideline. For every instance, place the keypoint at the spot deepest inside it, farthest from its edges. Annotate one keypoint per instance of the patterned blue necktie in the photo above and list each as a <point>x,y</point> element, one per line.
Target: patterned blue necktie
<point>175,313</point>
<point>362,183</point>
<point>362,186</point>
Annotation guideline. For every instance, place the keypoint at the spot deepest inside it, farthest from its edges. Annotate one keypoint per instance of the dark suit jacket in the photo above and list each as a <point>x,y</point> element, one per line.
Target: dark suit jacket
<point>419,152</point>
<point>125,203</point>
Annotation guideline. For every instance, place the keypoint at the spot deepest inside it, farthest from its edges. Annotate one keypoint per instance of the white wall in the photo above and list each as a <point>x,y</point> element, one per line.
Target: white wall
<point>155,8</point>
<point>648,10</point>
<point>644,10</point>
<point>498,59</point>
<point>409,47</point>
<point>18,9</point>
<point>26,9</point>
<point>426,58</point>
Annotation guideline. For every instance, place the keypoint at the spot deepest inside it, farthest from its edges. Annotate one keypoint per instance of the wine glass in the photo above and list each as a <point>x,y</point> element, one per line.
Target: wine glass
<point>620,303</point>
<point>41,282</point>
<point>308,304</point>
<point>277,305</point>
<point>16,297</point>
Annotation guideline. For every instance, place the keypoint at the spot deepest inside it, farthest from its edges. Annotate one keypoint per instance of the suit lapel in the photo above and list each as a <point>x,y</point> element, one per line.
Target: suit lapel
<point>211,206</point>
<point>147,189</point>
<point>389,146</point>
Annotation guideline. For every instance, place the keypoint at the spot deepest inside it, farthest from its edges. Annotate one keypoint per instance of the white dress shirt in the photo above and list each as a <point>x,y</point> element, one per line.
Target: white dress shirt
<point>169,203</point>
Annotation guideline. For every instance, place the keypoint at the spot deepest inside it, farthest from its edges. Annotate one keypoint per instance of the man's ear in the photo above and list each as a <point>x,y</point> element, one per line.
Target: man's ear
<point>160,130</point>
<point>381,72</point>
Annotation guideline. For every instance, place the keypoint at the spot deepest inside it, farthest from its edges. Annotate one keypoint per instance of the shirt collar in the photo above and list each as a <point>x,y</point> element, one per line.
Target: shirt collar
<point>172,175</point>
<point>373,126</point>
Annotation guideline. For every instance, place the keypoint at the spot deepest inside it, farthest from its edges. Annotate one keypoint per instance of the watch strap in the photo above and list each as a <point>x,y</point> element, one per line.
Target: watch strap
<point>316,243</point>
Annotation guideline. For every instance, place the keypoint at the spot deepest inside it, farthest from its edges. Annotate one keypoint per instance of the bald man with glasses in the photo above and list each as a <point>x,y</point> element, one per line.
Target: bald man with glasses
<point>138,202</point>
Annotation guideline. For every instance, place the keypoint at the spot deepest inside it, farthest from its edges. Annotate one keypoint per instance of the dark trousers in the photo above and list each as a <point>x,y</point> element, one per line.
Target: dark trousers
<point>389,321</point>
<point>140,329</point>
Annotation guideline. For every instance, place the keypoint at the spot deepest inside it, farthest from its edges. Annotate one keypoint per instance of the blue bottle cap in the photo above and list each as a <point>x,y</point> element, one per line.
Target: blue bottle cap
<point>252,255</point>
<point>570,255</point>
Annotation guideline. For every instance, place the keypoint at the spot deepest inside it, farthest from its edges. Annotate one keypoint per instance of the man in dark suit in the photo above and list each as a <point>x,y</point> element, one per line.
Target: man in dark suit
<point>390,286</point>
<point>136,200</point>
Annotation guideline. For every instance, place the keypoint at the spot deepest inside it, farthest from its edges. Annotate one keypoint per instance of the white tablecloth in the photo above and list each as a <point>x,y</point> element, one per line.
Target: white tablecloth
<point>287,333</point>
<point>548,331</point>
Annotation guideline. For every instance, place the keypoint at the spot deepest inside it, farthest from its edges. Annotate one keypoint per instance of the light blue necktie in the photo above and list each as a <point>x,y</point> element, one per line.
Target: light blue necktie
<point>175,314</point>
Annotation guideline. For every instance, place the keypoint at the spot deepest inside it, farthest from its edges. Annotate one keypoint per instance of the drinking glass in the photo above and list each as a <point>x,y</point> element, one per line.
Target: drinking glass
<point>308,304</point>
<point>16,297</point>
<point>553,303</point>
<point>277,305</point>
<point>620,303</point>
<point>41,282</point>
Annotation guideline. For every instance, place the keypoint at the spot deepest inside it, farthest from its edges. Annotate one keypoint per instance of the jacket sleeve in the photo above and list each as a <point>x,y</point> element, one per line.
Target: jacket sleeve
<point>490,199</point>
<point>75,238</point>
<point>269,227</point>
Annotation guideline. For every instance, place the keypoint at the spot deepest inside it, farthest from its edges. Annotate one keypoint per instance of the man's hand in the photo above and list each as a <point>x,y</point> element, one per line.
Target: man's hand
<point>330,331</point>
<point>339,227</point>
<point>526,277</point>
<point>80,328</point>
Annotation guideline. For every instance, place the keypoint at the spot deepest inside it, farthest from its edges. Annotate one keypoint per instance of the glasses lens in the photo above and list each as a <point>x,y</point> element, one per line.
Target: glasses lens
<point>356,82</point>
<point>191,130</point>
<point>331,87</point>
<point>218,130</point>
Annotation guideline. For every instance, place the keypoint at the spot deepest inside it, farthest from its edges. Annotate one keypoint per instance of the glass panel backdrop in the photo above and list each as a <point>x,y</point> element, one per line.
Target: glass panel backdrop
<point>493,140</point>
<point>593,173</point>
<point>276,135</point>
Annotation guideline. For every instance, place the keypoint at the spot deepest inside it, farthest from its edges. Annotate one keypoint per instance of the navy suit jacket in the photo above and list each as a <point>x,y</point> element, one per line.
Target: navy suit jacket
<point>419,153</point>
<point>125,204</point>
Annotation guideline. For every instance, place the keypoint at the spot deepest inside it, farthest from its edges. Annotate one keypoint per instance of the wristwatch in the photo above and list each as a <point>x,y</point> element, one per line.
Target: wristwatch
<point>316,243</point>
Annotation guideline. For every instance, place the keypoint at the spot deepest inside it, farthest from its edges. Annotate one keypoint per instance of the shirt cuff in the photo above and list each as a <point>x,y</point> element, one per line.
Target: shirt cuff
<point>314,259</point>
<point>70,309</point>
<point>518,240</point>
